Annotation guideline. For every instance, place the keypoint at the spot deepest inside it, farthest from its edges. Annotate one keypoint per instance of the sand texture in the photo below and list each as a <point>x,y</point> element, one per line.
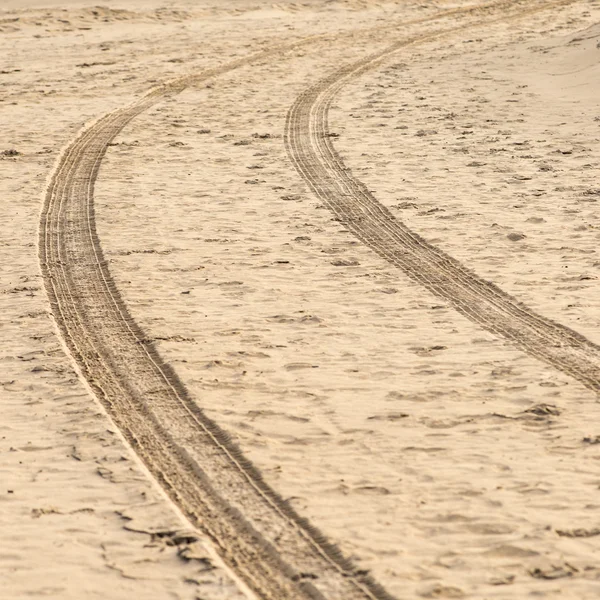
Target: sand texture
<point>300,299</point>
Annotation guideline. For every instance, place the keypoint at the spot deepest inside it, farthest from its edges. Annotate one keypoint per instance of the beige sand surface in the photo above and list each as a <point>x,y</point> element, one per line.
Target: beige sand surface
<point>441,458</point>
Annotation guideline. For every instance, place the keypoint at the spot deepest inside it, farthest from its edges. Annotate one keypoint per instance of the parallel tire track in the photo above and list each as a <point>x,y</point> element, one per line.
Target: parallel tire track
<point>314,156</point>
<point>276,552</point>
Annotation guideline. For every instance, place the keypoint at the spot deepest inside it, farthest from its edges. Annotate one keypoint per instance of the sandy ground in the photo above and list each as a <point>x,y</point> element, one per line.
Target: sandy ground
<point>441,458</point>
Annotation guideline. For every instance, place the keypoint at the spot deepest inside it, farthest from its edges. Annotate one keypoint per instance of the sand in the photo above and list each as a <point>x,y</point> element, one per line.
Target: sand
<point>443,458</point>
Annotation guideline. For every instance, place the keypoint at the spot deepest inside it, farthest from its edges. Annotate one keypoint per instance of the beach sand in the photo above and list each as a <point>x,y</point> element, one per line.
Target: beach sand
<point>445,459</point>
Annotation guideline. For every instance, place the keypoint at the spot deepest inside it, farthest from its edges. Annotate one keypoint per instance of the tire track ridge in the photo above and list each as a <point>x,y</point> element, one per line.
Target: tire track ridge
<point>314,156</point>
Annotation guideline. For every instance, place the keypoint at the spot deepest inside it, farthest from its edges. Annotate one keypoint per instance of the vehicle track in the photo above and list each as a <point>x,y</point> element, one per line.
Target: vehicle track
<point>278,554</point>
<point>316,159</point>
<point>188,454</point>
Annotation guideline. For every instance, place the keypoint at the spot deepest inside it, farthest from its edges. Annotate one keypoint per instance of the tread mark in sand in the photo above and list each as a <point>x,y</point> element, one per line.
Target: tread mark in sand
<point>311,149</point>
<point>278,554</point>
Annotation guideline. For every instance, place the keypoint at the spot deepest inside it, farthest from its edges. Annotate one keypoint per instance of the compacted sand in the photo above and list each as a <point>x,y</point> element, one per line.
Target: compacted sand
<point>305,276</point>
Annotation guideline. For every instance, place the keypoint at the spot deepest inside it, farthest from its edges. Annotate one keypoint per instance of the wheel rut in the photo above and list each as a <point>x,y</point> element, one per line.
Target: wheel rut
<point>311,149</point>
<point>278,554</point>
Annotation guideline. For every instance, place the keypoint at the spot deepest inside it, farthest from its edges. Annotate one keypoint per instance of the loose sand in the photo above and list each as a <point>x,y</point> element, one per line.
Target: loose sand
<point>442,458</point>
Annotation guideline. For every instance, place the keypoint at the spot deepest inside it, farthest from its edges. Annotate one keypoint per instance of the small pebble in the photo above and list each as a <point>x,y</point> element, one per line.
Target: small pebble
<point>515,237</point>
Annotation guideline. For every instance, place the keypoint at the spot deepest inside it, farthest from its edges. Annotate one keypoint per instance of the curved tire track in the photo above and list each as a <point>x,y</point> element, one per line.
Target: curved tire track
<point>317,161</point>
<point>276,552</point>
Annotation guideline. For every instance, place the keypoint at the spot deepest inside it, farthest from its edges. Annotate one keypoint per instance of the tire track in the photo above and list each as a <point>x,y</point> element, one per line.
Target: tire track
<point>278,554</point>
<point>314,156</point>
<point>191,457</point>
